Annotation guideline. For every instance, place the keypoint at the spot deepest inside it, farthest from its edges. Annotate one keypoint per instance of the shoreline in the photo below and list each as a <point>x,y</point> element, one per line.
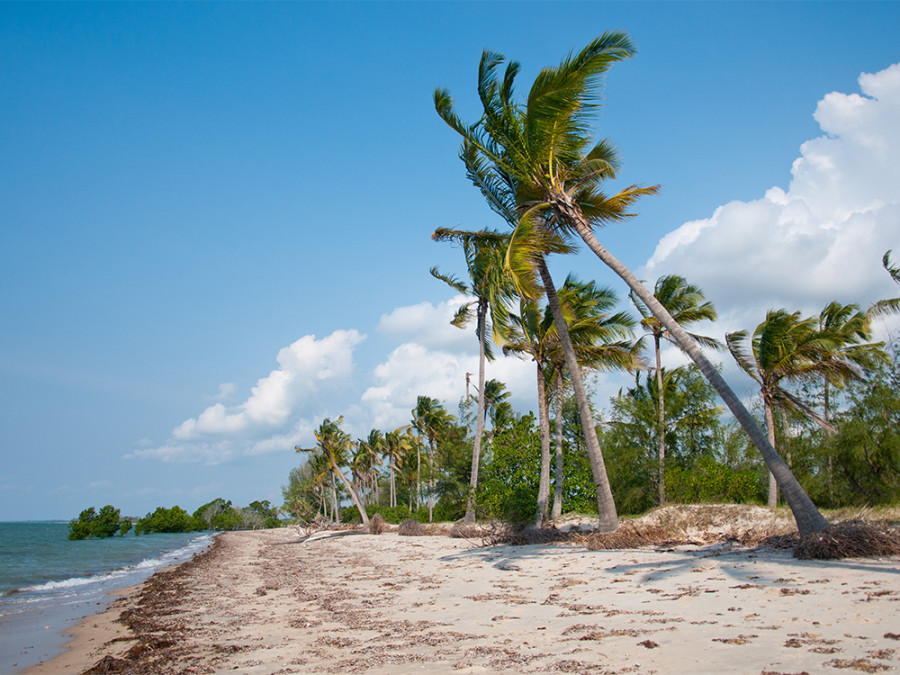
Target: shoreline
<point>37,621</point>
<point>269,601</point>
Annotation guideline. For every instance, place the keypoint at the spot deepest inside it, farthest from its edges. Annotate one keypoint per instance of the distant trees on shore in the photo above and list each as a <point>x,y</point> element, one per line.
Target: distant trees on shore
<point>219,514</point>
<point>93,525</point>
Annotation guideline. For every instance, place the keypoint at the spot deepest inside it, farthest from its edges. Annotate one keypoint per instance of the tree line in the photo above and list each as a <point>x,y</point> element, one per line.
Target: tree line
<point>218,514</point>
<point>538,168</point>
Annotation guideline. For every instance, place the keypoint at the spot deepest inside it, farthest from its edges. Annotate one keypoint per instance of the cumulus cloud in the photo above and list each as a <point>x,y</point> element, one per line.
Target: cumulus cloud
<point>429,325</point>
<point>280,411</point>
<point>820,240</point>
<point>433,362</point>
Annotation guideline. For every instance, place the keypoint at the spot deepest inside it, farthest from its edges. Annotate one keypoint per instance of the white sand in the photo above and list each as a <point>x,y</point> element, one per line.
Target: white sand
<point>264,602</point>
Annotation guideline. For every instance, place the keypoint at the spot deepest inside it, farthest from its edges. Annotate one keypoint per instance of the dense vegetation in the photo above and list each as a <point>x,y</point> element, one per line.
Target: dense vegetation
<point>708,460</point>
<point>219,514</point>
<point>91,525</point>
<point>825,424</point>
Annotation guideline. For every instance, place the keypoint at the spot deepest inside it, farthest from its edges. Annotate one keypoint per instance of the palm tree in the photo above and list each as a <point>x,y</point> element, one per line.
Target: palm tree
<point>365,463</point>
<point>686,304</point>
<point>334,443</point>
<point>529,334</point>
<point>485,254</point>
<point>784,347</point>
<point>541,153</point>
<point>599,339</point>
<point>397,444</point>
<point>496,403</point>
<point>892,305</point>
<point>430,419</point>
<point>852,353</point>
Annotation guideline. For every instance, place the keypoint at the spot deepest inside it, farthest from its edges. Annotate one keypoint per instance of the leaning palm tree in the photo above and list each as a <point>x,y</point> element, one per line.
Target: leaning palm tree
<point>686,304</point>
<point>541,152</point>
<point>333,443</point>
<point>783,348</point>
<point>485,254</point>
<point>891,305</point>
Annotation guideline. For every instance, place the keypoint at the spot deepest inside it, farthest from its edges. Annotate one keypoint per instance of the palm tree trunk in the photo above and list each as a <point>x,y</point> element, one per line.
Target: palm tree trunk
<point>606,506</point>
<point>544,423</point>
<point>393,481</point>
<point>806,514</point>
<point>479,424</point>
<point>557,498</point>
<point>770,426</point>
<point>430,480</point>
<point>335,508</point>
<point>418,477</point>
<point>661,425</point>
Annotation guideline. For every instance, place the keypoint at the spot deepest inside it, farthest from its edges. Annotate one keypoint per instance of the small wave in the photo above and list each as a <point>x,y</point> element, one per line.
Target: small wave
<point>163,559</point>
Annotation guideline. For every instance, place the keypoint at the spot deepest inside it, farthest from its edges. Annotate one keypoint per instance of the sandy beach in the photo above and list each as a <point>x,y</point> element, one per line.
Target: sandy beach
<point>270,602</point>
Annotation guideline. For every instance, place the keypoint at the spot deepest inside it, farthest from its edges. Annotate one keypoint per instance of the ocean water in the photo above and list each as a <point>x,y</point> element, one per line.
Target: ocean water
<point>48,583</point>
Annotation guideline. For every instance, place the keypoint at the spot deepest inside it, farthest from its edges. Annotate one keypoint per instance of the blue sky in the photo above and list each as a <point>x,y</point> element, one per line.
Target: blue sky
<point>215,218</point>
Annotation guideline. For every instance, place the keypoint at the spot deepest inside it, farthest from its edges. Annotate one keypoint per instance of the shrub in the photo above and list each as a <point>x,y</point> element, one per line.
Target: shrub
<point>395,514</point>
<point>175,519</point>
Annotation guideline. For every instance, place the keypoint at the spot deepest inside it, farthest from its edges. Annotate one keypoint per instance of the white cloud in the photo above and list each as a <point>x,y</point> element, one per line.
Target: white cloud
<point>279,412</point>
<point>820,240</point>
<point>226,391</point>
<point>433,362</point>
<point>429,325</point>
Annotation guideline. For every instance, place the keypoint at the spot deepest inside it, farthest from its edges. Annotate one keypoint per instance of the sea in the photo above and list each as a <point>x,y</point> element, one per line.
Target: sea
<point>48,583</point>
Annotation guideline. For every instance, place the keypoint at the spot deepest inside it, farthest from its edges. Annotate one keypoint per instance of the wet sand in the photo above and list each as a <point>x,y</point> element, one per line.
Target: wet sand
<point>269,602</point>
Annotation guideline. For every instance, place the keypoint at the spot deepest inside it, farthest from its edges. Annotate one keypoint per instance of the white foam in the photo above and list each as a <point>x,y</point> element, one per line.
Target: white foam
<point>163,560</point>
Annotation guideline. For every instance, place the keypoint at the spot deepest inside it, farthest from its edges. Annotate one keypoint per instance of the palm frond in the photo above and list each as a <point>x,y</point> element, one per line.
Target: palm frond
<point>451,281</point>
<point>735,343</point>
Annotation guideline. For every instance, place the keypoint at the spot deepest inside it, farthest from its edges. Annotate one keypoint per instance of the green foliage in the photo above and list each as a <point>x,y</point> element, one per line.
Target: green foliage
<point>707,480</point>
<point>394,514</point>
<point>301,494</point>
<point>261,514</point>
<point>860,465</point>
<point>509,478</point>
<point>91,524</point>
<point>162,519</point>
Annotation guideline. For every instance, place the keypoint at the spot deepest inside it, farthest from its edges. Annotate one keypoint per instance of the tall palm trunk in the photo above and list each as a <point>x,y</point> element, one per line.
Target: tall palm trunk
<point>661,424</point>
<point>393,499</point>
<point>806,514</point>
<point>418,478</point>
<point>770,427</point>
<point>430,480</point>
<point>606,507</point>
<point>335,508</point>
<point>544,423</point>
<point>557,498</point>
<point>479,423</point>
